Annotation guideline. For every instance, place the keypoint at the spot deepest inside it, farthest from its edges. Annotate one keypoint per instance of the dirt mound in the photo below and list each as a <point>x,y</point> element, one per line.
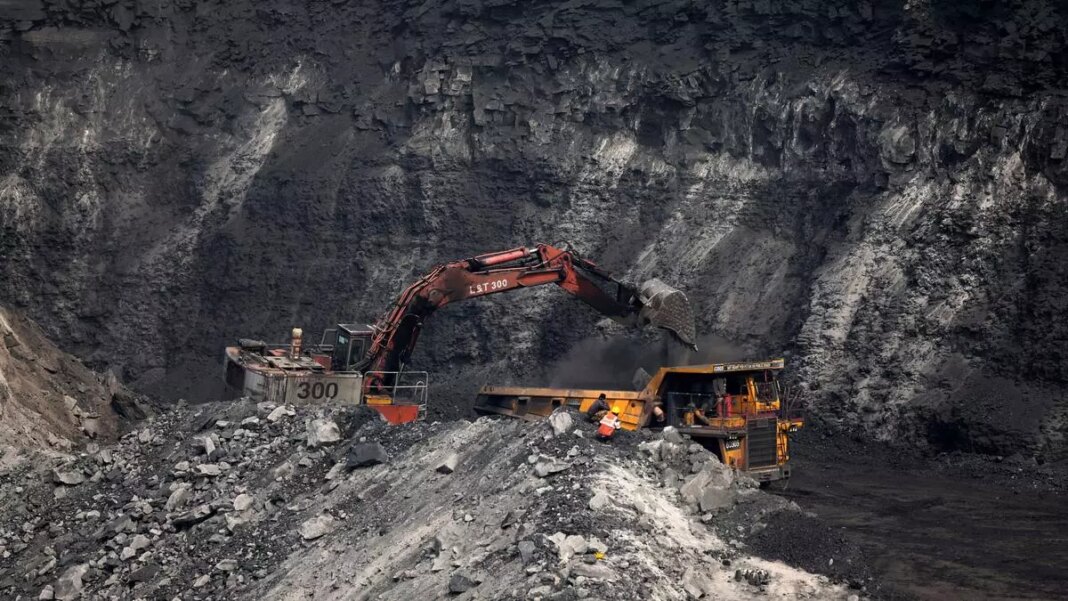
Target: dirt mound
<point>244,501</point>
<point>49,399</point>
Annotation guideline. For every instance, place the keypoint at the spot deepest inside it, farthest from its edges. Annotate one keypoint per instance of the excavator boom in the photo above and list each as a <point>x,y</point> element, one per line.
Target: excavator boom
<point>653,303</point>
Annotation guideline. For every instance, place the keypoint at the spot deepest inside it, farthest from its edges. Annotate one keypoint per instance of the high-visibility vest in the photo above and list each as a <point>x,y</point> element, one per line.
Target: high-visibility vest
<point>609,425</point>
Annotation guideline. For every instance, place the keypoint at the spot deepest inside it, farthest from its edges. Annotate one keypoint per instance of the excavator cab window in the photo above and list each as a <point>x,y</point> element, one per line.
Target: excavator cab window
<point>350,345</point>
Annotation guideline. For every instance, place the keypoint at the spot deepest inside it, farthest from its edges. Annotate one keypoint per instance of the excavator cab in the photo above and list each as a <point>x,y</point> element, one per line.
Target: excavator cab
<point>351,342</point>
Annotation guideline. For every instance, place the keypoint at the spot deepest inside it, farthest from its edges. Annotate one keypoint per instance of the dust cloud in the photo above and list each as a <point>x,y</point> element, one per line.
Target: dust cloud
<point>612,362</point>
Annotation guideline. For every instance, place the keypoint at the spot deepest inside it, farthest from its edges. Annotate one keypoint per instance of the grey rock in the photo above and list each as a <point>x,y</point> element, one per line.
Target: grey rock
<point>897,144</point>
<point>322,432</point>
<point>139,542</point>
<point>316,527</point>
<point>569,546</point>
<point>205,444</point>
<point>210,470</point>
<point>281,412</point>
<point>243,502</point>
<point>366,454</point>
<point>47,592</point>
<point>561,422</point>
<point>598,571</point>
<point>69,586</point>
<point>227,565</point>
<point>146,573</point>
<point>540,592</point>
<point>68,477</point>
<point>448,464</point>
<point>670,434</point>
<point>697,584</point>
<point>599,501</point>
<point>526,551</point>
<point>190,518</point>
<point>670,478</point>
<point>335,471</point>
<point>708,489</point>
<point>547,466</point>
<point>178,498</point>
<point>459,583</point>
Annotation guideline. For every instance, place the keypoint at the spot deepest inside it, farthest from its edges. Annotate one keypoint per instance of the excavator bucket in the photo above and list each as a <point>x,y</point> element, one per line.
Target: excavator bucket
<point>668,308</point>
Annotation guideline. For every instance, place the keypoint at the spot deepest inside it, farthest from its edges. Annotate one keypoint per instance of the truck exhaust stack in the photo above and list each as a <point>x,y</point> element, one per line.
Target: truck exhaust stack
<point>668,308</point>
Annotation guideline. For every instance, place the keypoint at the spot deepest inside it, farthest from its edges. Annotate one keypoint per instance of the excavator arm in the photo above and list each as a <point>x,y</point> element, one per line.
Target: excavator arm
<point>654,303</point>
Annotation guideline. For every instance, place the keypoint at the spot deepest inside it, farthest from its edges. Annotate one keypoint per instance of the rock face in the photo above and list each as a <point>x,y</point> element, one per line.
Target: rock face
<point>877,188</point>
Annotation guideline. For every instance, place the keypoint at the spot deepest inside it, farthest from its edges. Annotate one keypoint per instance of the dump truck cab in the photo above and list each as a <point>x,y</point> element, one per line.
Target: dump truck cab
<point>735,410</point>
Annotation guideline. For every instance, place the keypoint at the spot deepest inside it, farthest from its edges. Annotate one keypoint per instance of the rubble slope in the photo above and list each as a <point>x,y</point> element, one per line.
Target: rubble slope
<point>49,399</point>
<point>239,501</point>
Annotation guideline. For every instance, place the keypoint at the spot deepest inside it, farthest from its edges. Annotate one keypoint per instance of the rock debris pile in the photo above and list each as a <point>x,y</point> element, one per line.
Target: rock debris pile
<point>244,501</point>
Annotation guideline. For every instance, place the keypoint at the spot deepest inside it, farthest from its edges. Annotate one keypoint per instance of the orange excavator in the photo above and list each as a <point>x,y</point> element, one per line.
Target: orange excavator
<point>355,363</point>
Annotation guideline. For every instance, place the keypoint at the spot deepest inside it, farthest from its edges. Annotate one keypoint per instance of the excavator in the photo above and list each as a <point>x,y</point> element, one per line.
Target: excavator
<point>368,364</point>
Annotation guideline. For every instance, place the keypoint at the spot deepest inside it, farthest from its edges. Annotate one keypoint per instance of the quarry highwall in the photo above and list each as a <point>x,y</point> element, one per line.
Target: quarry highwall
<point>874,189</point>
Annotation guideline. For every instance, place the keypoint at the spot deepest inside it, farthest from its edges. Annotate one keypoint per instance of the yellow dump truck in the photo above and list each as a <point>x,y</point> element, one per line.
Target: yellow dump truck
<point>735,410</point>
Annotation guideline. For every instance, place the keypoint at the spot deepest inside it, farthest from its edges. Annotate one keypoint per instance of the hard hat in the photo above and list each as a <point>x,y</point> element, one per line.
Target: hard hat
<point>616,410</point>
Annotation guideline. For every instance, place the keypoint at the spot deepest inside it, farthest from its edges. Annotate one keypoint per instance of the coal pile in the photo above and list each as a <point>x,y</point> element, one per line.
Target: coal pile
<point>245,501</point>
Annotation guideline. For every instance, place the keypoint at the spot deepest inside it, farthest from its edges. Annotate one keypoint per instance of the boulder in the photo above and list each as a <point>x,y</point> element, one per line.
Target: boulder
<point>317,527</point>
<point>69,586</point>
<point>459,583</point>
<point>599,501</point>
<point>280,412</point>
<point>68,477</point>
<point>448,464</point>
<point>205,444</point>
<point>569,546</point>
<point>526,551</point>
<point>547,466</point>
<point>190,518</point>
<point>322,432</point>
<point>144,574</point>
<point>709,489</point>
<point>242,502</point>
<point>561,422</point>
<point>210,470</point>
<point>366,454</point>
<point>179,497</point>
<point>334,472</point>
<point>697,584</point>
<point>597,571</point>
<point>670,434</point>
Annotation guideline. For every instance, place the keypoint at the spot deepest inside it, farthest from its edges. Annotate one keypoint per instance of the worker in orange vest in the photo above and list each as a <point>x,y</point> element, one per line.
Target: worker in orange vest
<point>609,424</point>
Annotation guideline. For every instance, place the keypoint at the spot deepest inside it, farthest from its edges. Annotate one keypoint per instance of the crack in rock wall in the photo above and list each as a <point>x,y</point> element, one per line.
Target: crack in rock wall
<point>876,189</point>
